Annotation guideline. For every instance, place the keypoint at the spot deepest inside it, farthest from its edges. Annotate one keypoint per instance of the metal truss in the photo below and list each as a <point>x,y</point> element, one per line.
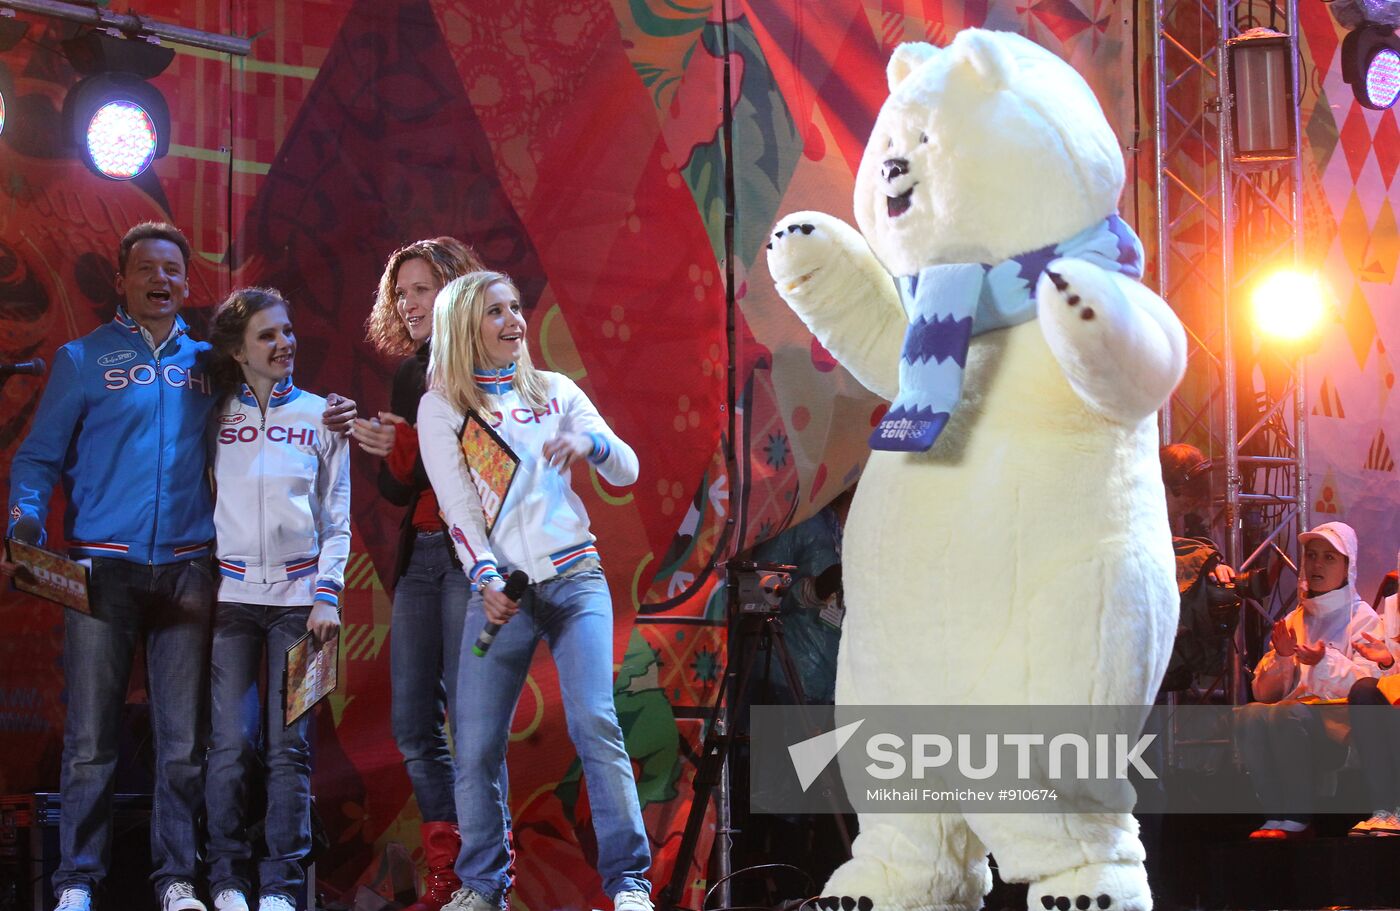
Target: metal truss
<point>1220,226</point>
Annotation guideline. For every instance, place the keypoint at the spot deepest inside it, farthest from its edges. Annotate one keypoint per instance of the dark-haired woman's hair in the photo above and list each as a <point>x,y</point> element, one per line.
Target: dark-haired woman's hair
<point>226,330</point>
<point>446,257</point>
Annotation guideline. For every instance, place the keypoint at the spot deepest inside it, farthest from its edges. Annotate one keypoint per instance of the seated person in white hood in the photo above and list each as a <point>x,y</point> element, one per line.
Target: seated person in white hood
<point>1313,659</point>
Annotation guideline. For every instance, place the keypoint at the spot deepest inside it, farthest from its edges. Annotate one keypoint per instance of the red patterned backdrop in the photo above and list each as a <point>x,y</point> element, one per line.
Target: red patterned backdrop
<point>597,150</point>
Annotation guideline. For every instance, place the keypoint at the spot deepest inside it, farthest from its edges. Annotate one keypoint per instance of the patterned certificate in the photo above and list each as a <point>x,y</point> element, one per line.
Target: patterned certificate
<point>50,576</point>
<point>311,675</point>
<point>492,464</point>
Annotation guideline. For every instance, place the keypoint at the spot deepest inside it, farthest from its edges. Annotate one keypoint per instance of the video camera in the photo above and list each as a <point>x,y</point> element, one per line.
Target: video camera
<point>1223,598</point>
<point>758,588</point>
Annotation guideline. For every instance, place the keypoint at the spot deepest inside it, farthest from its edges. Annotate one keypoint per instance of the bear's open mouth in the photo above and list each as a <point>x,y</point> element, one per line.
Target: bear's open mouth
<point>898,205</point>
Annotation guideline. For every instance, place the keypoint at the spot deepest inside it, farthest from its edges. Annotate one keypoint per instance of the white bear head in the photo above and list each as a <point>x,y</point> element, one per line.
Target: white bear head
<point>985,149</point>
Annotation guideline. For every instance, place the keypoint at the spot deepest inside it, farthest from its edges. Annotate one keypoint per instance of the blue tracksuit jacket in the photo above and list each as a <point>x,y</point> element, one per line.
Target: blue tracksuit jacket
<point>125,430</point>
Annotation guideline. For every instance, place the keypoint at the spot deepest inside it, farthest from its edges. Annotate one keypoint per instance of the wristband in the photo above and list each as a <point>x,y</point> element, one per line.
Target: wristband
<point>600,450</point>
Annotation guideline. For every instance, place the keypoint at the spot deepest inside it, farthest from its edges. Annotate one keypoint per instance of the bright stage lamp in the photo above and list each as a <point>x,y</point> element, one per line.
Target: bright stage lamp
<point>1288,305</point>
<point>1371,65</point>
<point>121,140</point>
<point>117,121</point>
<point>2,112</point>
<point>119,124</point>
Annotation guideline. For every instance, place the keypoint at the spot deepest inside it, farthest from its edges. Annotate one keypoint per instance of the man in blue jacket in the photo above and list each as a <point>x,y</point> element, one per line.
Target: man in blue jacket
<point>122,423</point>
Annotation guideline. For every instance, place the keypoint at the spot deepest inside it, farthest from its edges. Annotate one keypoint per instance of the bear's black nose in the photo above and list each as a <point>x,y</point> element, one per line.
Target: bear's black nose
<point>894,167</point>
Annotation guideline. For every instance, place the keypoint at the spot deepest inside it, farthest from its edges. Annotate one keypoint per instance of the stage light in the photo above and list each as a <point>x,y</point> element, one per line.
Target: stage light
<point>1383,78</point>
<point>1288,305</point>
<point>121,140</point>
<point>1261,85</point>
<point>117,121</point>
<point>1370,51</point>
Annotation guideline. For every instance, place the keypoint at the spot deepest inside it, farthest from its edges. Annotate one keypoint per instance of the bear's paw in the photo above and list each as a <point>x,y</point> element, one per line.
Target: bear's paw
<point>798,251</point>
<point>809,249</point>
<point>845,903</point>
<point>1093,887</point>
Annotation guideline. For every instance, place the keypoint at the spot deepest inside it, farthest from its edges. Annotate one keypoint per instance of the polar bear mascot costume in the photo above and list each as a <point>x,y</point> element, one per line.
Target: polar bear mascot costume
<point>1008,543</point>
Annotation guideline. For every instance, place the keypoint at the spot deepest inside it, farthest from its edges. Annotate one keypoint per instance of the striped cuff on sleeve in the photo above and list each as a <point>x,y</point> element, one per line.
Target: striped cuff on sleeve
<point>328,590</point>
<point>482,572</point>
<point>600,451</point>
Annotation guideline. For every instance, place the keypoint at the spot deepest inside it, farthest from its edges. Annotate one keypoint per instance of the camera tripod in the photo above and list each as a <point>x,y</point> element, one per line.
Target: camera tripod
<point>752,627</point>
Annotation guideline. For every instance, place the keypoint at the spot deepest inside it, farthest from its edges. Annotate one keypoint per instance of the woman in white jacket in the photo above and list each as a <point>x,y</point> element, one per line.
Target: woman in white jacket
<point>1313,658</point>
<point>283,523</point>
<point>480,364</point>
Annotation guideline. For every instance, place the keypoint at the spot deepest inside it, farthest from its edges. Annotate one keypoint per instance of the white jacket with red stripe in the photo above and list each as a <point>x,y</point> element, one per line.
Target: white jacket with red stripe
<point>282,512</point>
<point>542,527</point>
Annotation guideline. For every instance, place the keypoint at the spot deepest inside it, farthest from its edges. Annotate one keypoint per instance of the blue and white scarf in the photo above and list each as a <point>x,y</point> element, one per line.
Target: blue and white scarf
<point>954,302</point>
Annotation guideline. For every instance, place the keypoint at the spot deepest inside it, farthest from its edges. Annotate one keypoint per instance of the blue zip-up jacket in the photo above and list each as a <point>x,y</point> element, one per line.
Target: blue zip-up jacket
<point>125,430</point>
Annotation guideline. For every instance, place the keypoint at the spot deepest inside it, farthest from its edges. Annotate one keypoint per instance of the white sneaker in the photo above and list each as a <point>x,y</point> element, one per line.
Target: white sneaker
<point>275,903</point>
<point>465,899</point>
<point>1386,823</point>
<point>230,900</point>
<point>179,896</point>
<point>1382,822</point>
<point>74,900</point>
<point>632,900</point>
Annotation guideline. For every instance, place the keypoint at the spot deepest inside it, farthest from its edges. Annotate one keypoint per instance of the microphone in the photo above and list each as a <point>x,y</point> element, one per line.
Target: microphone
<point>515,587</point>
<point>35,367</point>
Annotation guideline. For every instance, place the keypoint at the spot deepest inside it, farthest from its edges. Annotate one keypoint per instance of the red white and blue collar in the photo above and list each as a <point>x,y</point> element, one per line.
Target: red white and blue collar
<point>124,320</point>
<point>282,393</point>
<point>496,382</point>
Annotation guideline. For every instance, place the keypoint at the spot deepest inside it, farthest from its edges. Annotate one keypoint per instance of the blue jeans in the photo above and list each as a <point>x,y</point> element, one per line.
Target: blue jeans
<point>241,633</point>
<point>573,614</point>
<point>425,641</point>
<point>1285,747</point>
<point>168,607</point>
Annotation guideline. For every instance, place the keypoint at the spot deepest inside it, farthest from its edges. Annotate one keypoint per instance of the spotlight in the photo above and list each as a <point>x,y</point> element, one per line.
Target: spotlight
<point>1371,65</point>
<point>118,122</point>
<point>1261,83</point>
<point>1288,305</point>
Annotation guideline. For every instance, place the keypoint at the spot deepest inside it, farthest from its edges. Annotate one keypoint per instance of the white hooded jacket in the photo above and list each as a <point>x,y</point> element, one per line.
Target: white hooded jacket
<point>1337,618</point>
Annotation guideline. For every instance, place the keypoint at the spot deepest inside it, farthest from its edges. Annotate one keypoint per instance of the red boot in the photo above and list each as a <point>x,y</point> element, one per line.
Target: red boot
<point>441,845</point>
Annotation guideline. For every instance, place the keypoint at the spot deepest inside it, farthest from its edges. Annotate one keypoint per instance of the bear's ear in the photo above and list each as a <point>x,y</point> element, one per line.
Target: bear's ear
<point>906,59</point>
<point>988,59</point>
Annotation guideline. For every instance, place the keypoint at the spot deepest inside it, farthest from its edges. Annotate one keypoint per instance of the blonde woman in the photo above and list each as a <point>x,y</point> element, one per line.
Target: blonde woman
<point>480,363</point>
<point>430,592</point>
